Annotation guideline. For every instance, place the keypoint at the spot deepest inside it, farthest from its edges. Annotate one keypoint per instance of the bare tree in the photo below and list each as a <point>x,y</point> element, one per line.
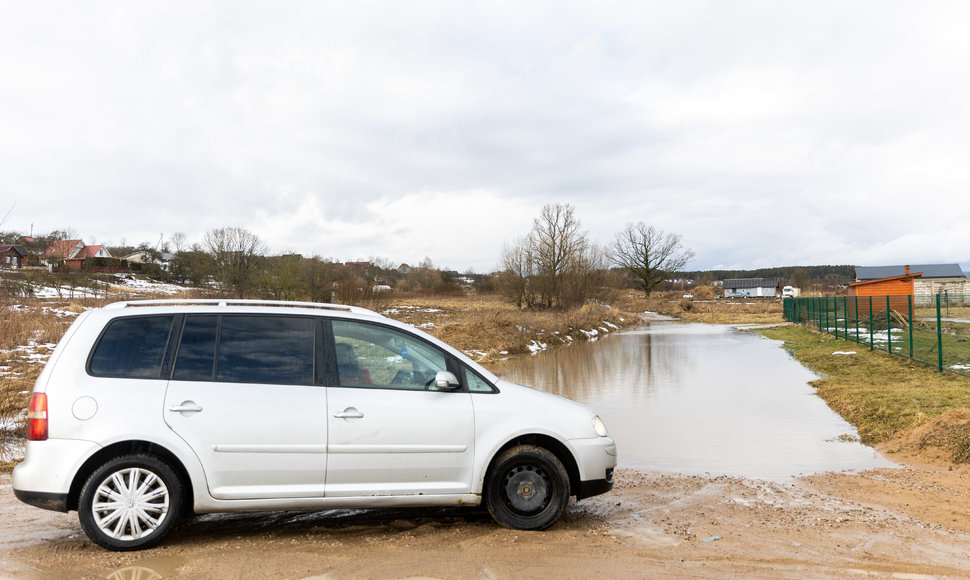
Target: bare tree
<point>237,254</point>
<point>178,239</point>
<point>557,244</point>
<point>556,265</point>
<point>518,272</point>
<point>649,253</point>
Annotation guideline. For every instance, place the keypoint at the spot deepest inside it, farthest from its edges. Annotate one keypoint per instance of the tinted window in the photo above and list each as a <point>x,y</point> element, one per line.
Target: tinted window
<point>197,349</point>
<point>132,348</point>
<point>371,355</point>
<point>266,349</point>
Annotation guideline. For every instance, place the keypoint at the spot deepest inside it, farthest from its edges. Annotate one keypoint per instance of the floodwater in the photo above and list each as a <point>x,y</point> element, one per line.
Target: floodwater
<point>700,398</point>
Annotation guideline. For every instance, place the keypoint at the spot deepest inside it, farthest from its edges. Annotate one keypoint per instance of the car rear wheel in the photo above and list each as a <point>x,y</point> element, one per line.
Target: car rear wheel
<point>130,502</point>
<point>527,488</point>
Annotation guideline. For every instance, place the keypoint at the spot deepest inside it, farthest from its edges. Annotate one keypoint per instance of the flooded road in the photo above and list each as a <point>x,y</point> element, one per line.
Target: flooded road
<point>677,397</point>
<point>699,398</point>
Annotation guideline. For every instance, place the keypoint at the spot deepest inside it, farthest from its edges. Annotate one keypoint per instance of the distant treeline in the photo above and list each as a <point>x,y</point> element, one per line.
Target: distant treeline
<point>822,274</point>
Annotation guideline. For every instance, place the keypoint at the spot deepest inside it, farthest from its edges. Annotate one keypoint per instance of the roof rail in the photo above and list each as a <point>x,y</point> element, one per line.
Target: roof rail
<point>239,302</point>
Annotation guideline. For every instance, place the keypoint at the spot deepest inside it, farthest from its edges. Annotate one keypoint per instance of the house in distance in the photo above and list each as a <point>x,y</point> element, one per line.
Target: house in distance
<point>751,288</point>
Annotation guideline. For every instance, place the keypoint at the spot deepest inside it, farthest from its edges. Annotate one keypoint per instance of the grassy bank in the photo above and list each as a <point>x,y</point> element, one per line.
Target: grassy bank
<point>890,399</point>
<point>486,326</point>
<point>721,311</point>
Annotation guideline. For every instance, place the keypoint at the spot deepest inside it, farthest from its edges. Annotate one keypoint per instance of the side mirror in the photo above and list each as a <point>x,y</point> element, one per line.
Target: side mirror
<point>446,380</point>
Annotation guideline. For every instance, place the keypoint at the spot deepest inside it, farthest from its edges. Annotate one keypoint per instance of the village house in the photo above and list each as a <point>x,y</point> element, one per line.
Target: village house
<point>751,288</point>
<point>71,253</point>
<point>12,257</point>
<point>164,259</point>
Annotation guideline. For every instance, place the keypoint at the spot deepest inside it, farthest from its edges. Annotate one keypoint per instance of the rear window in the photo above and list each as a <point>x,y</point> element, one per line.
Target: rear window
<point>132,348</point>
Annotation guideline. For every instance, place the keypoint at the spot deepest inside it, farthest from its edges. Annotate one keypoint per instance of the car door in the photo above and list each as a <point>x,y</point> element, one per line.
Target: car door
<point>242,395</point>
<point>391,432</point>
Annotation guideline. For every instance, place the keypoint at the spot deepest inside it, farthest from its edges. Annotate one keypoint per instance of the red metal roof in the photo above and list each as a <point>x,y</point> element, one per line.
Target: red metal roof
<point>88,252</point>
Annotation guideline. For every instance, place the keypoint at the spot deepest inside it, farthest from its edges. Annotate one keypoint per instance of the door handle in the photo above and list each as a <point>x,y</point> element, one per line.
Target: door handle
<point>186,407</point>
<point>349,413</point>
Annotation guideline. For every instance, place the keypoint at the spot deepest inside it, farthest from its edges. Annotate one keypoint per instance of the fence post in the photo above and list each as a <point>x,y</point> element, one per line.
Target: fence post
<point>845,312</point>
<point>871,335</point>
<point>826,309</point>
<point>833,317</point>
<point>909,300</point>
<point>889,327</point>
<point>818,313</point>
<point>856,317</point>
<point>939,334</point>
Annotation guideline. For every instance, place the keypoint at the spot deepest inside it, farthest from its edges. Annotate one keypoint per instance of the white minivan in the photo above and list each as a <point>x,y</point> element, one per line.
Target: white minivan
<point>151,410</point>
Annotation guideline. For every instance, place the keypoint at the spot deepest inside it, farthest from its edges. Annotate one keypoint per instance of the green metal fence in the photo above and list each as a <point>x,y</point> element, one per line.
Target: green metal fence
<point>932,330</point>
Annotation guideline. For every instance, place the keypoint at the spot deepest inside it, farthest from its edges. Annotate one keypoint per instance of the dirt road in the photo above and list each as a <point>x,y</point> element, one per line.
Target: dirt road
<point>911,522</point>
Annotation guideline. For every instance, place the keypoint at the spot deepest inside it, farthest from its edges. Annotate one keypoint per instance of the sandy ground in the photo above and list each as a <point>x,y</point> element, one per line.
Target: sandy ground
<point>911,522</point>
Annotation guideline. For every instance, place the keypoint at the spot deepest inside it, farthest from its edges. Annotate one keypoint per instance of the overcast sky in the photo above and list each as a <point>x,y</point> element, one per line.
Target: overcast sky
<point>765,133</point>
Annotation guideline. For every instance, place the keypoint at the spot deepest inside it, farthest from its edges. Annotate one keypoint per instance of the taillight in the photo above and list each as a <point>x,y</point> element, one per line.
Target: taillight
<point>37,417</point>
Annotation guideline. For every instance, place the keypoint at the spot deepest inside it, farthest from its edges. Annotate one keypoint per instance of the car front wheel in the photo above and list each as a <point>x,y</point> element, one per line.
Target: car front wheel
<point>130,502</point>
<point>527,488</point>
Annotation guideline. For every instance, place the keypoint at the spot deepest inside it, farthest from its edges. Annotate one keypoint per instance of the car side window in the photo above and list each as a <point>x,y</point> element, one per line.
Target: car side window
<point>247,349</point>
<point>132,348</point>
<point>369,355</point>
<point>476,384</point>
<point>266,349</point>
<point>197,349</point>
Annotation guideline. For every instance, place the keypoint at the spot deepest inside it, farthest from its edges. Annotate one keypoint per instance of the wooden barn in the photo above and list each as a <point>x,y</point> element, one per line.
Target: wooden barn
<point>899,289</point>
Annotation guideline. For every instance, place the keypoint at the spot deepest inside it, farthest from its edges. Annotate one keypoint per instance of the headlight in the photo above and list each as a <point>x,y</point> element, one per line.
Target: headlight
<point>599,427</point>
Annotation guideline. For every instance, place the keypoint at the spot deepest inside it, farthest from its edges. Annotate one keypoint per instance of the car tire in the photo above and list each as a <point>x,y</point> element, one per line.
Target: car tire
<point>130,503</point>
<point>527,488</point>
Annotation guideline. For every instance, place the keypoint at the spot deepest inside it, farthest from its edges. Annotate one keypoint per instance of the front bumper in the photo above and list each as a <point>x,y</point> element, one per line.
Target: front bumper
<point>596,486</point>
<point>596,458</point>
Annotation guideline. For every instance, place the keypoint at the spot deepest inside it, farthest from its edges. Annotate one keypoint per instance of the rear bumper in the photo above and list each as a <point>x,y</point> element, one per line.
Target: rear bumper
<point>43,479</point>
<point>49,501</point>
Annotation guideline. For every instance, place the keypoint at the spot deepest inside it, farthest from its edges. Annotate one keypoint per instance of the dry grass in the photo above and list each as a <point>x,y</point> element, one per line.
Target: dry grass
<point>487,326</point>
<point>723,311</point>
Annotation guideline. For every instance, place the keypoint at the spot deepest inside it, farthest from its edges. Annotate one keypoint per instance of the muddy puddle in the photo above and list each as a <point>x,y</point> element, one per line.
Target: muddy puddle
<point>700,398</point>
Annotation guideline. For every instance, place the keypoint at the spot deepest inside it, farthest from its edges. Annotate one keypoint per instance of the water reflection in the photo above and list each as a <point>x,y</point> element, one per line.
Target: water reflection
<point>697,398</point>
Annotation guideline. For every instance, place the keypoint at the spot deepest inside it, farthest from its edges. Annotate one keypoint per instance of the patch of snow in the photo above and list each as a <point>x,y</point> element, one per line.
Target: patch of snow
<point>536,347</point>
<point>843,352</point>
<point>66,292</point>
<point>147,286</point>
